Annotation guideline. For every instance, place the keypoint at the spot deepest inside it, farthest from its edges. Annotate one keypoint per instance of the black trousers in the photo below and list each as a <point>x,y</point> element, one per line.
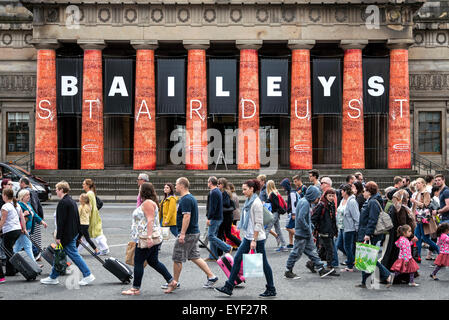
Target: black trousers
<point>9,239</point>
<point>85,233</point>
<point>328,246</point>
<point>225,229</point>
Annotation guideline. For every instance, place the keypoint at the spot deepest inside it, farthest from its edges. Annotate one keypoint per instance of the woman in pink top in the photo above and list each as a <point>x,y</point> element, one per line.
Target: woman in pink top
<point>405,263</point>
<point>443,242</point>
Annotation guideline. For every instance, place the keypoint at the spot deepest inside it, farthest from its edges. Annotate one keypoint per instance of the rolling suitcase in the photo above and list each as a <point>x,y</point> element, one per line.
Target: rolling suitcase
<point>225,263</point>
<point>24,264</point>
<point>114,266</point>
<point>49,254</point>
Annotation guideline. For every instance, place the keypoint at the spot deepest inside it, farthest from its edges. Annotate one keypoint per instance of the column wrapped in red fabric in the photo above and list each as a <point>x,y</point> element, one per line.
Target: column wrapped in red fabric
<point>301,107</point>
<point>145,112</point>
<point>399,149</point>
<point>248,135</point>
<point>196,111</point>
<point>92,142</point>
<point>353,143</point>
<point>46,128</point>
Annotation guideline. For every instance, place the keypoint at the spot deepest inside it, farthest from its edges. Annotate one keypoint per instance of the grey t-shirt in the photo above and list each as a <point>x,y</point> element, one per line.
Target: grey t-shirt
<point>12,221</point>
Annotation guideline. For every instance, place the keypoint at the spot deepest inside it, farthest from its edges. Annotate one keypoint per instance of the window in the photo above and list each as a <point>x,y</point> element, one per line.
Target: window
<point>18,132</point>
<point>429,138</point>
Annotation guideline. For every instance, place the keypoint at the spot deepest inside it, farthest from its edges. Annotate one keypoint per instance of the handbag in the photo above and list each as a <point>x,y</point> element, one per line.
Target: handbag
<point>60,262</point>
<point>130,253</point>
<point>156,236</point>
<point>384,222</point>
<point>253,265</point>
<point>430,227</point>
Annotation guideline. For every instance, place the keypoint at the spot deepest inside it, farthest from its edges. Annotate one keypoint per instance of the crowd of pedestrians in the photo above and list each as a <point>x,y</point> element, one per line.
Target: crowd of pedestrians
<point>320,221</point>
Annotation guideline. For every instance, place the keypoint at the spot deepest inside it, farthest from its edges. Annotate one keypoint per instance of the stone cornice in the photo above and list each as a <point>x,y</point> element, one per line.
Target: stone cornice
<point>436,81</point>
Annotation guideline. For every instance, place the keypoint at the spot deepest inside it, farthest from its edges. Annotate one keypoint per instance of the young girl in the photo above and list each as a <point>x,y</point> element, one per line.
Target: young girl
<point>405,263</point>
<point>84,210</point>
<point>443,242</point>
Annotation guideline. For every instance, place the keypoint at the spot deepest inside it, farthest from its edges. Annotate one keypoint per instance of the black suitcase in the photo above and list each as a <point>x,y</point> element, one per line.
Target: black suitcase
<point>24,264</point>
<point>114,266</point>
<point>48,254</point>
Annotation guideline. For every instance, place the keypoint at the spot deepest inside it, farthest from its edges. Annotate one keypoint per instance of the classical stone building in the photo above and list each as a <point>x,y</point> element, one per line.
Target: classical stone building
<point>103,84</point>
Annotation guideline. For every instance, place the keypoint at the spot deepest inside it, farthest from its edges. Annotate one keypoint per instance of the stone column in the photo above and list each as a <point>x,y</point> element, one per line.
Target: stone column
<point>46,127</point>
<point>353,136</point>
<point>196,109</point>
<point>248,155</point>
<point>92,141</point>
<point>399,144</point>
<point>301,106</point>
<point>145,106</point>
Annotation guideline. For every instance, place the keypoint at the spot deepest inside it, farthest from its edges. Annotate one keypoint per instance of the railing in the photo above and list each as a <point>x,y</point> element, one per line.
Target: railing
<point>426,166</point>
<point>26,162</point>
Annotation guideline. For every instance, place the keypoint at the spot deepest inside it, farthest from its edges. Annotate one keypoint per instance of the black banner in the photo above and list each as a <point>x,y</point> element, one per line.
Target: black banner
<point>171,86</point>
<point>274,86</point>
<point>327,86</point>
<point>118,89</point>
<point>376,84</point>
<point>222,90</point>
<point>69,85</point>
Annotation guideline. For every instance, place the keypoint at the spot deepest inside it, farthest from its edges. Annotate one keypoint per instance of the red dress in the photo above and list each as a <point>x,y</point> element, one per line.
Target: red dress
<point>443,258</point>
<point>405,263</point>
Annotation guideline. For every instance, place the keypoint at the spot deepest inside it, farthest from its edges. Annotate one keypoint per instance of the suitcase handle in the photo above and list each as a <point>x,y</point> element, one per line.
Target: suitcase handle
<point>213,255</point>
<point>92,253</point>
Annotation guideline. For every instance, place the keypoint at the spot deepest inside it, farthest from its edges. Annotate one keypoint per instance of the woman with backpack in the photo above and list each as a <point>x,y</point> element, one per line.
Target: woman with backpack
<point>324,218</point>
<point>278,207</point>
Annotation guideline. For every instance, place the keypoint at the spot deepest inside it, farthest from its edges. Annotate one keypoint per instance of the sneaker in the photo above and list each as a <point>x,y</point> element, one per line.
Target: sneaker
<point>268,294</point>
<point>2,280</point>
<point>434,277</point>
<point>413,284</point>
<point>86,280</point>
<point>361,285</point>
<point>224,290</point>
<point>290,275</point>
<point>165,286</point>
<point>282,249</point>
<point>103,252</point>
<point>289,246</point>
<point>278,241</point>
<point>325,272</point>
<point>49,280</point>
<point>310,266</point>
<point>210,282</point>
<point>334,273</point>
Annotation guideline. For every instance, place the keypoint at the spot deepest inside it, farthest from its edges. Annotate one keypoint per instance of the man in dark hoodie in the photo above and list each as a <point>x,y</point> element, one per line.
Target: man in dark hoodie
<point>303,237</point>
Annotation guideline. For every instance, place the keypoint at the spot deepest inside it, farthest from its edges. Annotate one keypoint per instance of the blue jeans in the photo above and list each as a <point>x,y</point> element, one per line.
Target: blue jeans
<point>151,256</point>
<point>72,253</point>
<point>174,230</point>
<point>349,244</point>
<point>339,245</point>
<point>24,243</point>
<point>243,249</point>
<point>216,243</point>
<point>419,233</point>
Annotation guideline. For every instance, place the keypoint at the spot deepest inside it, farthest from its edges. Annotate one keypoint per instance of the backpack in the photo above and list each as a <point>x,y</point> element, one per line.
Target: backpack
<point>282,204</point>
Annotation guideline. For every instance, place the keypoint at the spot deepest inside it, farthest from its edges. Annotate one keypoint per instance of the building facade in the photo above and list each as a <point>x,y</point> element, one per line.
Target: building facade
<point>135,84</point>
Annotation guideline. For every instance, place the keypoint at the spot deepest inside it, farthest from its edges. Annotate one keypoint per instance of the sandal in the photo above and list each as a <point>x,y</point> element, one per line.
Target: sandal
<point>131,292</point>
<point>171,286</point>
<point>434,277</point>
<point>347,270</point>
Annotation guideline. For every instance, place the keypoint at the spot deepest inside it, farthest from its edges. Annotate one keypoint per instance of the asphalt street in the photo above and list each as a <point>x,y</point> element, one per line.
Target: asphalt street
<point>116,226</point>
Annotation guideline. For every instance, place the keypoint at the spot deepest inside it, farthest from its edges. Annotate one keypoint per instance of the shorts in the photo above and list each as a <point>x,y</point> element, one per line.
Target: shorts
<point>290,224</point>
<point>188,250</point>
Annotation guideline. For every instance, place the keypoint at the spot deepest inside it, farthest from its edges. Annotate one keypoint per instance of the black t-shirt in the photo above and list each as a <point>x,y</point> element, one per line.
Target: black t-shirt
<point>444,194</point>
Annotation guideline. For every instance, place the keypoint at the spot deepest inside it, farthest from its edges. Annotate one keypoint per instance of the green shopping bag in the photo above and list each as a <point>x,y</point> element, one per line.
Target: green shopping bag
<point>366,257</point>
<point>60,262</point>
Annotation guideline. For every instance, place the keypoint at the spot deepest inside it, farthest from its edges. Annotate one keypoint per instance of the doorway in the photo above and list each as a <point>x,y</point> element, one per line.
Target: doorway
<point>118,141</point>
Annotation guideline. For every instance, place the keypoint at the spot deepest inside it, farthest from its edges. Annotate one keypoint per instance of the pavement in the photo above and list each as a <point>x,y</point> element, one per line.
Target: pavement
<point>117,225</point>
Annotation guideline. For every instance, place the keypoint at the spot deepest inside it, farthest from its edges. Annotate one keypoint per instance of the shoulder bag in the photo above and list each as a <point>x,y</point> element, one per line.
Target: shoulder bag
<point>384,223</point>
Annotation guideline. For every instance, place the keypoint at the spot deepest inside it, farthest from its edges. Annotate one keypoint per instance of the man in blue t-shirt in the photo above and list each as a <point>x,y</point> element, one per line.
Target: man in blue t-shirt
<point>214,219</point>
<point>444,198</point>
<point>186,244</point>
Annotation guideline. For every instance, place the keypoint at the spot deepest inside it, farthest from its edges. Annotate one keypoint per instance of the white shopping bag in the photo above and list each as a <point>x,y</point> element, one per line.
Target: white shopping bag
<point>253,265</point>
